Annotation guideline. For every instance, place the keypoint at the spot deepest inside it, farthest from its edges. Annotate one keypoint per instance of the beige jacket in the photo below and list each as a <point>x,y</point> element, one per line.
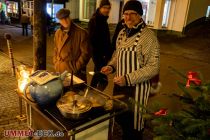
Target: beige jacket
<point>24,19</point>
<point>72,51</point>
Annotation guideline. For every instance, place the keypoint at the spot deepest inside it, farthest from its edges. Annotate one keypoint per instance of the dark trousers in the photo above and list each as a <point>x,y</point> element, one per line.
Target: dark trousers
<point>2,17</point>
<point>25,29</point>
<point>99,60</point>
<point>49,30</point>
<point>32,29</point>
<point>126,120</point>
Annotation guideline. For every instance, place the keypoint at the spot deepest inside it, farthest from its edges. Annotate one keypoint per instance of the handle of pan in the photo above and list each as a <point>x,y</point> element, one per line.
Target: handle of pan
<point>120,96</point>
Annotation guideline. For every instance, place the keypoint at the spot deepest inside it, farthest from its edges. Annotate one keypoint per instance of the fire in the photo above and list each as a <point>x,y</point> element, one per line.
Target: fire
<point>24,80</point>
<point>23,77</point>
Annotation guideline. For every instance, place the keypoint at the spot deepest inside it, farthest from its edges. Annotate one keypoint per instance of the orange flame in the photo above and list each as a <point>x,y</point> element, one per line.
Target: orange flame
<point>23,79</point>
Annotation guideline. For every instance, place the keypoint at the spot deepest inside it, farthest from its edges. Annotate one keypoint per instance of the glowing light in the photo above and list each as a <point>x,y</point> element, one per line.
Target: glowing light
<point>23,78</point>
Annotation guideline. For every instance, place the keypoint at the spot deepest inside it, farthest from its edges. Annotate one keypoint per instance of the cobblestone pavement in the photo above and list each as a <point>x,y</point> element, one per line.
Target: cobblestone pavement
<point>9,105</point>
<point>16,32</point>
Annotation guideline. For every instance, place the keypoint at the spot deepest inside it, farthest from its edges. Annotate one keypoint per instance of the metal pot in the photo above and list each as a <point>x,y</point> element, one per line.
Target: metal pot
<point>73,106</point>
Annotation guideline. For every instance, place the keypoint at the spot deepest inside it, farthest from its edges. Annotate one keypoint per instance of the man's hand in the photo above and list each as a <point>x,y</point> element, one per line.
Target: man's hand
<point>106,70</point>
<point>120,81</point>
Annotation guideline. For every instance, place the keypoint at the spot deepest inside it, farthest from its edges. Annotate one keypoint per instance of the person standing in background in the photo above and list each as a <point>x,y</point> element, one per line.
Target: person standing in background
<point>25,20</point>
<point>100,41</point>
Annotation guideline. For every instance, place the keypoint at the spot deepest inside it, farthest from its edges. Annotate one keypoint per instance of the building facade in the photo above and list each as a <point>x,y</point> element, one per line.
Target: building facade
<point>172,15</point>
<point>14,8</point>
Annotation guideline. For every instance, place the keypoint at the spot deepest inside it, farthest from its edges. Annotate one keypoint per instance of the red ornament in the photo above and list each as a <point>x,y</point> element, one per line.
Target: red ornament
<point>161,112</point>
<point>193,77</point>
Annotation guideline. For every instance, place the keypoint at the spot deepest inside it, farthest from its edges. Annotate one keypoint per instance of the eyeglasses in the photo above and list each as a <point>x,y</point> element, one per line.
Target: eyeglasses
<point>129,14</point>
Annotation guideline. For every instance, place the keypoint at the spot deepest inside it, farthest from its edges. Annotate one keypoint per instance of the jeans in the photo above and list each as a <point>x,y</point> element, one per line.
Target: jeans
<point>25,29</point>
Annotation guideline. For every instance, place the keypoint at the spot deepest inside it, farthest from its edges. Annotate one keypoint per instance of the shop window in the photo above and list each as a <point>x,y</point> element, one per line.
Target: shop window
<point>150,14</point>
<point>166,13</point>
<point>149,9</point>
<point>208,12</point>
<point>12,9</point>
<point>56,8</point>
<point>144,7</point>
<point>28,7</point>
<point>88,8</point>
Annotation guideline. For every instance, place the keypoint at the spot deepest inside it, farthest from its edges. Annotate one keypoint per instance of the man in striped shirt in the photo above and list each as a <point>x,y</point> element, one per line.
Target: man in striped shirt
<point>136,61</point>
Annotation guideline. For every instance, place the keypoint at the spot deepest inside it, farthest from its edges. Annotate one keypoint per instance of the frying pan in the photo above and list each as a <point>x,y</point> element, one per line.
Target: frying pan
<point>73,106</point>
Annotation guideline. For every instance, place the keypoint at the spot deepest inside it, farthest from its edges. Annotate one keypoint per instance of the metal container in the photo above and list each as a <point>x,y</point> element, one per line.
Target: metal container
<point>73,106</point>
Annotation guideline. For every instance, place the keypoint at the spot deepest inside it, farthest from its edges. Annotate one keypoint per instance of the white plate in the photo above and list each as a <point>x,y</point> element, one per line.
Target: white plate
<point>76,80</point>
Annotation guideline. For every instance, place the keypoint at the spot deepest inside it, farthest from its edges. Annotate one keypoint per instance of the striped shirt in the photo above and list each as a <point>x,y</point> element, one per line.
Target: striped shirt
<point>148,55</point>
<point>137,58</point>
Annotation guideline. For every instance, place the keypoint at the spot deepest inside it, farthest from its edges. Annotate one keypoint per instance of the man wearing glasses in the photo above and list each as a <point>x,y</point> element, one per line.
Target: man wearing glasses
<point>136,61</point>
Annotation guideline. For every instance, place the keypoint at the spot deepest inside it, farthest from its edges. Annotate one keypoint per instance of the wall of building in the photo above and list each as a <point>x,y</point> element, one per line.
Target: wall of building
<point>178,15</point>
<point>197,9</point>
<point>182,12</point>
<point>159,14</point>
<point>73,6</point>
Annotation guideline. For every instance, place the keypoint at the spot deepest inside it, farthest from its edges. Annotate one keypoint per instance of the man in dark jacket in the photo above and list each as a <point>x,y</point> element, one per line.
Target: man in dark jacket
<point>100,40</point>
<point>119,27</point>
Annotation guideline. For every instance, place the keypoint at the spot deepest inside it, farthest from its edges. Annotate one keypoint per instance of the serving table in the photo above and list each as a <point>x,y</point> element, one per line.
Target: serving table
<point>47,122</point>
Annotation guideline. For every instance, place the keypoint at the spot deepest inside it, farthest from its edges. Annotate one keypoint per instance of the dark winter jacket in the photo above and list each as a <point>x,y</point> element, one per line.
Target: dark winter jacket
<point>100,36</point>
<point>118,28</point>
